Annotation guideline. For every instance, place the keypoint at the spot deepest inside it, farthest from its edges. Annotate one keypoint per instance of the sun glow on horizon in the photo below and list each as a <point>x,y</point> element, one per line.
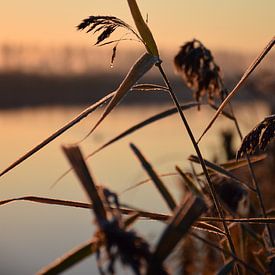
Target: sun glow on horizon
<point>236,25</point>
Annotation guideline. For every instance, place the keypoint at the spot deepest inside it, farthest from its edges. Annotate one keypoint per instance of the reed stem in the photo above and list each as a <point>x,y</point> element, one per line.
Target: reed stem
<point>197,149</point>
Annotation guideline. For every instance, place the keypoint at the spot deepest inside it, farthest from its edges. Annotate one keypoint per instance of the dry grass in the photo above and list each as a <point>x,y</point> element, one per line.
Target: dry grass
<point>218,218</point>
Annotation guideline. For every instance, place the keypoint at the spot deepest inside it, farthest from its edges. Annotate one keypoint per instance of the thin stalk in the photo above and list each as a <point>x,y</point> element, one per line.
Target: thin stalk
<point>197,149</point>
<point>253,177</point>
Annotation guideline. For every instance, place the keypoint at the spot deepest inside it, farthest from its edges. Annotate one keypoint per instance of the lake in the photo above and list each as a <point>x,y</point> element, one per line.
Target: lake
<point>33,235</point>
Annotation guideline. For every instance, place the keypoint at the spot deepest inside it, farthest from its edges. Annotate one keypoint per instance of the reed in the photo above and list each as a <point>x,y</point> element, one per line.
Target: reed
<point>217,206</point>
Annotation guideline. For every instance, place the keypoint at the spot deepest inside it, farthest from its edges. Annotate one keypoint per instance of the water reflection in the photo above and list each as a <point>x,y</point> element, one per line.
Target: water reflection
<point>33,235</point>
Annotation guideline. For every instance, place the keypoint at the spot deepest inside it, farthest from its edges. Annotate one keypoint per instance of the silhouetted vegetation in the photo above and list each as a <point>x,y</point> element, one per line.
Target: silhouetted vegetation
<point>224,222</point>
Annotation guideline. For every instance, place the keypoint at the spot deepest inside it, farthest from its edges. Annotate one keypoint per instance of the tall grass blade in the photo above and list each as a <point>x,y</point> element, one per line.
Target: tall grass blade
<point>132,129</point>
<point>226,114</point>
<point>132,212</point>
<point>142,66</point>
<point>155,178</point>
<point>50,201</point>
<point>71,258</point>
<point>149,87</point>
<point>143,29</point>
<point>128,211</point>
<point>76,204</point>
<point>246,74</point>
<point>241,220</point>
<point>57,133</point>
<point>76,159</point>
<point>142,124</point>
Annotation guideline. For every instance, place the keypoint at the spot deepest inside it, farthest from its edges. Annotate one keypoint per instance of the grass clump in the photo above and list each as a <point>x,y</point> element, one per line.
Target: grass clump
<point>223,212</point>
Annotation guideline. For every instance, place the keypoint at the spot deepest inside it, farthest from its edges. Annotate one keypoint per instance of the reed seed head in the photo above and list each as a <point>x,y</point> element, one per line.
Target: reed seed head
<point>259,137</point>
<point>195,64</point>
<point>105,25</point>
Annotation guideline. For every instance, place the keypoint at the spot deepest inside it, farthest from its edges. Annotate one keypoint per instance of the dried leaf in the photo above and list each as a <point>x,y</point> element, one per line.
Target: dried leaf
<point>143,28</point>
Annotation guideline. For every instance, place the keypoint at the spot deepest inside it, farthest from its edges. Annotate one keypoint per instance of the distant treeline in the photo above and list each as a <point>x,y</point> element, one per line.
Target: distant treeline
<point>35,76</point>
<point>24,90</point>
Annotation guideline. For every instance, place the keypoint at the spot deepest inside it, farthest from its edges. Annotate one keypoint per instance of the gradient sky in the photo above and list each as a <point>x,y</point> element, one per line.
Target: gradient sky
<point>244,25</point>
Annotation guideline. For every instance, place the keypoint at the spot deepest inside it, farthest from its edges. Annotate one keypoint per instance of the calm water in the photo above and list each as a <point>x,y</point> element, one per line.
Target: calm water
<point>32,235</point>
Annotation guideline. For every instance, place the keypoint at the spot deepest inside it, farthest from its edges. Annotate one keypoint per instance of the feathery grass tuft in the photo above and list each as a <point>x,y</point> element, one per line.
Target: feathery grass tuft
<point>106,25</point>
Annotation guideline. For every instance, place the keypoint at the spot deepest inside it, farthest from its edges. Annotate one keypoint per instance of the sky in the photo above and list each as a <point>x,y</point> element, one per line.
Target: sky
<point>245,25</point>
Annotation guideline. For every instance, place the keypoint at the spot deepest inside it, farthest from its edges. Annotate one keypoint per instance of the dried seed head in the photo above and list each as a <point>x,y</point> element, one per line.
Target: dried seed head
<point>195,64</point>
<point>259,137</point>
<point>106,25</point>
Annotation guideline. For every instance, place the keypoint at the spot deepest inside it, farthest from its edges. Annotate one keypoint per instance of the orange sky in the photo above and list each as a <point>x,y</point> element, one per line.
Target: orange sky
<point>245,25</point>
